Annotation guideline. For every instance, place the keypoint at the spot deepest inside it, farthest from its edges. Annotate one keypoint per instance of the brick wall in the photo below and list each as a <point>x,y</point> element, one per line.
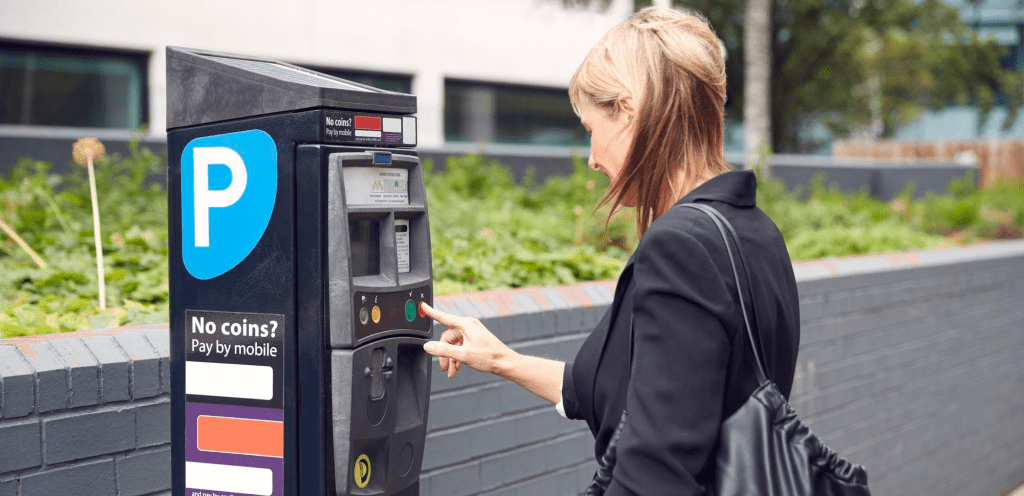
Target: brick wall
<point>911,364</point>
<point>85,413</point>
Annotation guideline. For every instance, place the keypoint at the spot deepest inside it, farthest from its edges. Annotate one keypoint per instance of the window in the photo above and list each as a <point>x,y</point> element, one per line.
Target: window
<point>495,113</point>
<point>56,86</point>
<point>388,82</point>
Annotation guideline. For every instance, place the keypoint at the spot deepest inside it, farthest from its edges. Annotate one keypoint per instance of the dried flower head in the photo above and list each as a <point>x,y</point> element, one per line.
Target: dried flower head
<point>899,205</point>
<point>86,148</point>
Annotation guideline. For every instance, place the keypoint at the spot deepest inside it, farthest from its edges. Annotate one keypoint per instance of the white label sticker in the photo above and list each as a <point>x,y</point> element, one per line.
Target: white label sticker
<point>376,186</point>
<point>228,478</point>
<point>363,133</point>
<point>392,125</point>
<point>408,130</point>
<point>402,243</point>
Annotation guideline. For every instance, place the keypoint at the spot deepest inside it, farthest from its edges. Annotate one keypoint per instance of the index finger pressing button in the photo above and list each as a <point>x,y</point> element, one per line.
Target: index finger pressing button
<point>445,319</point>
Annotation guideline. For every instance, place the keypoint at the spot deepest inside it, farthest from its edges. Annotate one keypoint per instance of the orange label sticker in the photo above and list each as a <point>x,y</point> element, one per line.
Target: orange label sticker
<point>240,436</point>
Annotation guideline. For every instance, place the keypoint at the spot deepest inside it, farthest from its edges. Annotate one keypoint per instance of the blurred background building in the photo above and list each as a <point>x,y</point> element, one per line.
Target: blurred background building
<point>1003,22</point>
<point>483,72</point>
<point>489,75</point>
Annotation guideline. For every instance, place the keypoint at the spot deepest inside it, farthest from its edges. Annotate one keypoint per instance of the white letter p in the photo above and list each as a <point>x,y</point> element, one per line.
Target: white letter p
<point>205,199</point>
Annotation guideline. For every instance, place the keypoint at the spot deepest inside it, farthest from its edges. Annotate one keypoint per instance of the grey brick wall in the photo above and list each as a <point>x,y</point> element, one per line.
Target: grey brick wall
<point>85,413</point>
<point>911,364</point>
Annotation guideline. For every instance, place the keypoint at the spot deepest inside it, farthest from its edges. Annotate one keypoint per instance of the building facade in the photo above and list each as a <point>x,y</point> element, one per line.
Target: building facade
<point>489,75</point>
<point>483,72</point>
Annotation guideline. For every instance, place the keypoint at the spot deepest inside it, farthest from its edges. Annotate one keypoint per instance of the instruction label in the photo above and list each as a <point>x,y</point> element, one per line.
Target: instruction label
<point>234,403</point>
<point>376,185</point>
<point>368,129</point>
<point>402,244</point>
<point>235,358</point>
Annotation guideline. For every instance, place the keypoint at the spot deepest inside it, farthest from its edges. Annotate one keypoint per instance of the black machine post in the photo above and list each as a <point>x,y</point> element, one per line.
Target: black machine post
<point>299,252</point>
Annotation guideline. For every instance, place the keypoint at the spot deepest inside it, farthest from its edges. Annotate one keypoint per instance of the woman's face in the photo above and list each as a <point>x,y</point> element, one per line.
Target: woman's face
<point>610,137</point>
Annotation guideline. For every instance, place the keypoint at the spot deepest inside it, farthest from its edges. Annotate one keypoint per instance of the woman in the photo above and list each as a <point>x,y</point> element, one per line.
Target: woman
<point>652,95</point>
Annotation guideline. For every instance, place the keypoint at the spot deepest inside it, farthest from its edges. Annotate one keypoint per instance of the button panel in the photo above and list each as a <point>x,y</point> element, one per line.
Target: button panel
<point>391,311</point>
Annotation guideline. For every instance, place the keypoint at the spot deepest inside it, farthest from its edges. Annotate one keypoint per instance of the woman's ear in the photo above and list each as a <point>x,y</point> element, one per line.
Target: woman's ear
<point>627,106</point>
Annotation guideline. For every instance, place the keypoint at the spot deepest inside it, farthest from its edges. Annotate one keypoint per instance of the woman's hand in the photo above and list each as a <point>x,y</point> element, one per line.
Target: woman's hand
<point>468,342</point>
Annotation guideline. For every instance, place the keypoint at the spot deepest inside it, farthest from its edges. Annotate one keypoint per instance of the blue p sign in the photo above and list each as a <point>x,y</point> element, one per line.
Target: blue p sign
<point>228,189</point>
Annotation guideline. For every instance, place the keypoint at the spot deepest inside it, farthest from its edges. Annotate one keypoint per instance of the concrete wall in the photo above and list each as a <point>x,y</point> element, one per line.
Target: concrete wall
<point>911,364</point>
<point>881,178</point>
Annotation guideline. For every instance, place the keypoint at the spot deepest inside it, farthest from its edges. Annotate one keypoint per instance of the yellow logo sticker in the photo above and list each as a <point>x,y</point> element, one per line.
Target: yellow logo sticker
<point>362,471</point>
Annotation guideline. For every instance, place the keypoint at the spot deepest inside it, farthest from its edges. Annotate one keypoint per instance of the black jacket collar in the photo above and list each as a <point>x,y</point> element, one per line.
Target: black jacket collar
<point>738,188</point>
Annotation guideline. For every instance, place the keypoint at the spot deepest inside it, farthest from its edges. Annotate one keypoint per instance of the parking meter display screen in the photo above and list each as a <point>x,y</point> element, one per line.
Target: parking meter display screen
<point>364,239</point>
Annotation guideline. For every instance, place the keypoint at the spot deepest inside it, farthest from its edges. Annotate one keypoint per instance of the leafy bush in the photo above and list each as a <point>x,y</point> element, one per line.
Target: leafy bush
<point>486,231</point>
<point>54,215</point>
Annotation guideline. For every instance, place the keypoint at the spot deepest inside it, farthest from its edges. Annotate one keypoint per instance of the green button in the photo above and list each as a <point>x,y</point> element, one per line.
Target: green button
<point>410,311</point>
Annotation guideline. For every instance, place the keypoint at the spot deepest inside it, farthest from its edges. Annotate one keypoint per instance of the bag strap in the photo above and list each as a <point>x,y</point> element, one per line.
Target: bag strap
<point>722,223</point>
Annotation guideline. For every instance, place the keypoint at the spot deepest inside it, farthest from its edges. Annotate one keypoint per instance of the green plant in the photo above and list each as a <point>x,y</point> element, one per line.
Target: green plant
<point>487,232</point>
<point>53,214</point>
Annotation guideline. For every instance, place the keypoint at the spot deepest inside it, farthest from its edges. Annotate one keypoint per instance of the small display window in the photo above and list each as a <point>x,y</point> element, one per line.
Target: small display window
<point>364,239</point>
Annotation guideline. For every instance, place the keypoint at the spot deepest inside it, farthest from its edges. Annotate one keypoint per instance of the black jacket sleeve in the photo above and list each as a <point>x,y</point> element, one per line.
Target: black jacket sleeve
<point>681,355</point>
<point>569,403</point>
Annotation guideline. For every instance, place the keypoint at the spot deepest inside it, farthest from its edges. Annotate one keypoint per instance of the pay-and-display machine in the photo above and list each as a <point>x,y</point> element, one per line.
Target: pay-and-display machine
<point>299,252</point>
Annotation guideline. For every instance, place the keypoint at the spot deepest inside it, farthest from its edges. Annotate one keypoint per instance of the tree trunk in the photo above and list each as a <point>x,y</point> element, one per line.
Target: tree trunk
<point>757,60</point>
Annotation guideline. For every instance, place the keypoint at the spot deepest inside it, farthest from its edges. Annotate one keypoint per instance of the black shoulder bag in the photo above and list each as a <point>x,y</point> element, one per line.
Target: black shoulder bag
<point>763,448</point>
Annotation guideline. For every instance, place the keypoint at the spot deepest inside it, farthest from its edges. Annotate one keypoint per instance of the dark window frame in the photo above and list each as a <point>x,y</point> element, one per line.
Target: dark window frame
<point>582,142</point>
<point>141,58</point>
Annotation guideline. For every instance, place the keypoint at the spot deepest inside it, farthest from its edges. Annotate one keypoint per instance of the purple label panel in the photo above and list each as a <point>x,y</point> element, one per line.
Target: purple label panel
<point>214,470</point>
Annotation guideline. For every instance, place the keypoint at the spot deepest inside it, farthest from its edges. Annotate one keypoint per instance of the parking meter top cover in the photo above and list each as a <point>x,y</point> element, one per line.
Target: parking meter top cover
<point>263,86</point>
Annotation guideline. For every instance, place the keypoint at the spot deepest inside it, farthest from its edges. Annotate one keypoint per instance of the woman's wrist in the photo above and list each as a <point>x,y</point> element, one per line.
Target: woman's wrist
<point>505,364</point>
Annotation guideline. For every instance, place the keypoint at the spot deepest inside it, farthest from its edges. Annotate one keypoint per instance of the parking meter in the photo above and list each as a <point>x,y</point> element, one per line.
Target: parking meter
<point>299,252</point>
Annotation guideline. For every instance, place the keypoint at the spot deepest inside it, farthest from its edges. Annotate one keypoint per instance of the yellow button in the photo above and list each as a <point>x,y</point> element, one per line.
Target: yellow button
<point>376,314</point>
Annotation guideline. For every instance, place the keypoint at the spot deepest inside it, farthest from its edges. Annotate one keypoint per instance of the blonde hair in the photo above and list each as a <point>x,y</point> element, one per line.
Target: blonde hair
<point>671,64</point>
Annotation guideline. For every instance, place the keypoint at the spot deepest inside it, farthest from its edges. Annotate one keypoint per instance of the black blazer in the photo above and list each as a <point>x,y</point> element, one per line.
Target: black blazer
<point>692,364</point>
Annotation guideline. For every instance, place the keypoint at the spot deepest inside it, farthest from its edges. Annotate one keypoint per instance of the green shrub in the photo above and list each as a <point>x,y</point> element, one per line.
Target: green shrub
<point>487,232</point>
<point>54,215</point>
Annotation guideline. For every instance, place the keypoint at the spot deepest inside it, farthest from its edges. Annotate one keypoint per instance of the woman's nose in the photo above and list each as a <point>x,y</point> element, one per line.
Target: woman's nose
<point>591,162</point>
